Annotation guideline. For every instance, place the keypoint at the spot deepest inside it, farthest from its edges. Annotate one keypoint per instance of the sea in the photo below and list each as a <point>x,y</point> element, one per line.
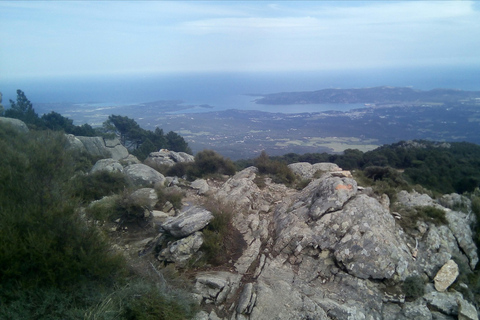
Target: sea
<point>226,90</point>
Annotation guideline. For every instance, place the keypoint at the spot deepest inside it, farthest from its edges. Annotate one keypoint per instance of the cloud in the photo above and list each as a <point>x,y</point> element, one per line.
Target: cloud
<point>109,36</point>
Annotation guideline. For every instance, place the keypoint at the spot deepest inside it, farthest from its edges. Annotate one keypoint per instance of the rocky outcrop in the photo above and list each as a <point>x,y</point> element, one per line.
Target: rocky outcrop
<point>168,158</point>
<point>14,123</point>
<point>307,171</point>
<point>98,146</point>
<point>330,251</point>
<point>141,175</point>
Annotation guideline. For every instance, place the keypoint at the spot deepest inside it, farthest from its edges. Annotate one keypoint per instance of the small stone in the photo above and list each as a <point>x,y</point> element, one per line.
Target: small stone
<point>446,276</point>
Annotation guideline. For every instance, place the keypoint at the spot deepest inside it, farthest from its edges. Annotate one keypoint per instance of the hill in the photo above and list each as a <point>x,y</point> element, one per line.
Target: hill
<point>375,95</point>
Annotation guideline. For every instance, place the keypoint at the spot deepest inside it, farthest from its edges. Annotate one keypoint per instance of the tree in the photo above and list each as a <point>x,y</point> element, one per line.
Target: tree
<point>23,110</point>
<point>126,129</point>
<point>175,142</point>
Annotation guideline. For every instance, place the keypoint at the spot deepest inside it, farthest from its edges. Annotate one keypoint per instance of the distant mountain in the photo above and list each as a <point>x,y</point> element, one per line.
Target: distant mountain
<point>380,95</point>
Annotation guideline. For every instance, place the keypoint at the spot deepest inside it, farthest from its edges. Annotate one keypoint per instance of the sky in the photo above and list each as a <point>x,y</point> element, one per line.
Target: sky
<point>68,38</point>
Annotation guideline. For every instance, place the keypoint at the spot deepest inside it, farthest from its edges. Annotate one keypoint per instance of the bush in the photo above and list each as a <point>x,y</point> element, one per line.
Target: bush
<point>413,287</point>
<point>277,170</point>
<point>172,195</point>
<point>432,214</point>
<point>98,185</point>
<point>222,242</point>
<point>208,162</point>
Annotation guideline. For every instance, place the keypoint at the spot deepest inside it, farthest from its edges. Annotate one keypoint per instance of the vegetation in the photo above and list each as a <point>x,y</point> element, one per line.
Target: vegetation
<point>207,163</point>
<point>277,170</point>
<point>413,287</point>
<point>222,242</point>
<point>441,167</point>
<point>54,263</point>
<point>140,142</point>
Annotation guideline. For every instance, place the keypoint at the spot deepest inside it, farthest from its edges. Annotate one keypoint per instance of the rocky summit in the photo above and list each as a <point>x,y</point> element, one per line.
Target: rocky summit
<point>333,250</point>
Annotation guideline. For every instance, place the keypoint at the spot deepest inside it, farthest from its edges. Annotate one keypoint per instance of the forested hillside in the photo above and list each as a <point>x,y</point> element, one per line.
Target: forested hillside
<point>442,167</point>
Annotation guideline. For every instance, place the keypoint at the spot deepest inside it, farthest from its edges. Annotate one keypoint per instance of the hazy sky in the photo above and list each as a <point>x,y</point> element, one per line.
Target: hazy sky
<point>106,37</point>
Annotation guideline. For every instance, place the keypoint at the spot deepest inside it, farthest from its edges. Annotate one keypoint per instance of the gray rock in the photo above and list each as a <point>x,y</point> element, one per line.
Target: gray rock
<point>98,147</point>
<point>187,222</point>
<point>14,123</point>
<point>445,302</point>
<point>466,311</point>
<point>200,185</point>
<point>143,176</point>
<point>108,165</point>
<point>417,310</point>
<point>460,227</point>
<point>331,194</point>
<point>414,199</point>
<point>216,287</point>
<point>168,158</point>
<point>247,299</point>
<point>181,251</point>
<point>128,160</point>
<point>145,197</point>
<point>455,202</point>
<point>305,170</point>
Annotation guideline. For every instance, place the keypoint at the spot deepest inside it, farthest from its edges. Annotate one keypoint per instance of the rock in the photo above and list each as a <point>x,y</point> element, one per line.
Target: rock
<point>99,147</point>
<point>446,276</point>
<point>143,176</point>
<point>160,216</point>
<point>247,300</point>
<point>414,199</point>
<point>445,302</point>
<point>168,158</point>
<point>417,310</point>
<point>331,194</point>
<point>460,227</point>
<point>455,202</point>
<point>216,287</point>
<point>130,159</point>
<point>14,123</point>
<point>181,251</point>
<point>466,311</point>
<point>200,185</point>
<point>306,171</point>
<point>108,165</point>
<point>187,222</point>
<point>146,198</point>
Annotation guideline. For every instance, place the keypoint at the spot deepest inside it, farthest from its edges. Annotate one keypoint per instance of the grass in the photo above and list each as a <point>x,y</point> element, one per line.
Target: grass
<point>222,242</point>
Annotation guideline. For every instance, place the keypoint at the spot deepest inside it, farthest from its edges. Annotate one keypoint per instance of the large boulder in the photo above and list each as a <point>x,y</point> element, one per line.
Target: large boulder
<point>108,165</point>
<point>143,176</point>
<point>98,146</point>
<point>168,158</point>
<point>188,222</point>
<point>306,170</point>
<point>14,123</point>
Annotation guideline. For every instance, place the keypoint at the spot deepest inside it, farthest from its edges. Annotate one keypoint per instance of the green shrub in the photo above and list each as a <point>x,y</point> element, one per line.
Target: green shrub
<point>432,214</point>
<point>98,185</point>
<point>144,300</point>
<point>107,208</point>
<point>172,195</point>
<point>277,170</point>
<point>413,287</point>
<point>222,242</point>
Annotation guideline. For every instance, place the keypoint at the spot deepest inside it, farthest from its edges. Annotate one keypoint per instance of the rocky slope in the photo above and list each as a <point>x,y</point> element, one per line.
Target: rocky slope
<point>333,250</point>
